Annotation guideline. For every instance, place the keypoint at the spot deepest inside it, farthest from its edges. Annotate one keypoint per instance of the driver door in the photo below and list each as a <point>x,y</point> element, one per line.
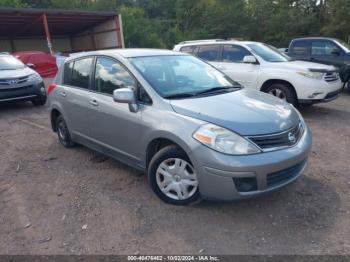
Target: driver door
<point>231,63</point>
<point>113,126</point>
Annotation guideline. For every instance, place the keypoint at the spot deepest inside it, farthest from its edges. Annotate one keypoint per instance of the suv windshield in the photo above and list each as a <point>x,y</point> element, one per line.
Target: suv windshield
<point>10,63</point>
<point>343,44</point>
<point>177,76</point>
<point>268,53</point>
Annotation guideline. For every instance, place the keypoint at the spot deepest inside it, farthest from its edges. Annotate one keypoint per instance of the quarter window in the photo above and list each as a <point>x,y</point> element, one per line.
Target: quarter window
<point>77,73</point>
<point>188,49</point>
<point>234,53</point>
<point>322,47</point>
<point>208,52</point>
<point>111,75</point>
<point>301,48</point>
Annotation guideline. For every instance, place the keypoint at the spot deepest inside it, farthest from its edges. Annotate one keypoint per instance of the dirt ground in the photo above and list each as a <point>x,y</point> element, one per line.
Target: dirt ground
<point>72,201</point>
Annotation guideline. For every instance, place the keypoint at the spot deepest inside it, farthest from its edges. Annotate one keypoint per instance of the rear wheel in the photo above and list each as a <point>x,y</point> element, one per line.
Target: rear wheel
<point>283,92</point>
<point>63,133</point>
<point>172,177</point>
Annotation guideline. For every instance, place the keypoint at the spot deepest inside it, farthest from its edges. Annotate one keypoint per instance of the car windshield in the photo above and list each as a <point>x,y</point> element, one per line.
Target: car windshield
<point>180,76</point>
<point>10,63</point>
<point>344,45</point>
<point>268,53</point>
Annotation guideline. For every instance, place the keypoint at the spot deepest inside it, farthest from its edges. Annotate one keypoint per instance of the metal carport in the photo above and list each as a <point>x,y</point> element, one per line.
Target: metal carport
<point>23,29</point>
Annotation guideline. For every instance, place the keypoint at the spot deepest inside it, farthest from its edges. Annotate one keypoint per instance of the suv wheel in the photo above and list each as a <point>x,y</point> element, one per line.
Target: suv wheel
<point>172,177</point>
<point>63,132</point>
<point>283,92</point>
<point>40,101</point>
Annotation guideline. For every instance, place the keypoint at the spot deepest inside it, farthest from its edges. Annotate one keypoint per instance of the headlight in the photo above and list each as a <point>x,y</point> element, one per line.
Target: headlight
<point>34,77</point>
<point>309,74</point>
<point>224,141</point>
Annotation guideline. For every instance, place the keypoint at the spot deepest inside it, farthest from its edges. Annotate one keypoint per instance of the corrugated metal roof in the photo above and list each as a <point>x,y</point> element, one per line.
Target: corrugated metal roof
<point>19,22</point>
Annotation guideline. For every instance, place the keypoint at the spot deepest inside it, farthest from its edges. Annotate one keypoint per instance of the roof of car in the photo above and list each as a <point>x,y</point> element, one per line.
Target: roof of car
<point>215,41</point>
<point>314,38</point>
<point>129,52</point>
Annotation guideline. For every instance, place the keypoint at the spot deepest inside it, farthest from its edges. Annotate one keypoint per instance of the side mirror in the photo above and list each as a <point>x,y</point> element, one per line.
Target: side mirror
<point>336,51</point>
<point>126,95</point>
<point>30,65</point>
<point>249,59</point>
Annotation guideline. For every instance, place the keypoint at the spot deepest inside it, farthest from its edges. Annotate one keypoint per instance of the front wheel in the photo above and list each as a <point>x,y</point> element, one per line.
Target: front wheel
<point>283,92</point>
<point>172,177</point>
<point>39,101</point>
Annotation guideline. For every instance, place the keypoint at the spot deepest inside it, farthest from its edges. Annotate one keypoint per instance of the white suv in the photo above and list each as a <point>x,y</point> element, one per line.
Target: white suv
<point>260,66</point>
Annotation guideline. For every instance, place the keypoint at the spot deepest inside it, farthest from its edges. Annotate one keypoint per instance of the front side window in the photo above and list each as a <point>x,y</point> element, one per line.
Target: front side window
<point>323,47</point>
<point>10,63</point>
<point>181,75</point>
<point>234,53</point>
<point>208,52</point>
<point>268,53</point>
<point>77,73</point>
<point>111,75</point>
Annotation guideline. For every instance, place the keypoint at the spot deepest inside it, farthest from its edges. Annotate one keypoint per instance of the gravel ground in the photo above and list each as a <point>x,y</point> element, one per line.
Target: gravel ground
<point>73,201</point>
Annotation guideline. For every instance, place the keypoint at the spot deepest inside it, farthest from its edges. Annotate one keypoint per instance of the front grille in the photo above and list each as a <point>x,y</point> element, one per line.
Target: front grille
<point>331,76</point>
<point>280,177</point>
<point>15,88</point>
<point>280,140</point>
<point>14,81</point>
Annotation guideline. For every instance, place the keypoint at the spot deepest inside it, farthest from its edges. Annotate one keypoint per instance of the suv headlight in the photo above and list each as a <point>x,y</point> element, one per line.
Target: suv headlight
<point>309,74</point>
<point>224,141</point>
<point>34,77</point>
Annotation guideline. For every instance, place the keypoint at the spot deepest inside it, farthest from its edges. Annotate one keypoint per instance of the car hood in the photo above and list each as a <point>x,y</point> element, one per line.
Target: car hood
<point>303,65</point>
<point>15,73</point>
<point>247,112</point>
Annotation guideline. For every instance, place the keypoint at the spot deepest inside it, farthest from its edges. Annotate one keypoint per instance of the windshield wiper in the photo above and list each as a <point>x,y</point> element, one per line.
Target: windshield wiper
<point>183,95</point>
<point>218,89</point>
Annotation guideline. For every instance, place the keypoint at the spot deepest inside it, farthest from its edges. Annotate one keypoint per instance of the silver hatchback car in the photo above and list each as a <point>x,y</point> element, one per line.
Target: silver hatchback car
<point>197,133</point>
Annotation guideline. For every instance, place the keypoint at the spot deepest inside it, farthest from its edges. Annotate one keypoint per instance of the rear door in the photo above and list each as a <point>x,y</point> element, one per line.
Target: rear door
<point>113,126</point>
<point>232,64</point>
<point>322,51</point>
<point>75,95</point>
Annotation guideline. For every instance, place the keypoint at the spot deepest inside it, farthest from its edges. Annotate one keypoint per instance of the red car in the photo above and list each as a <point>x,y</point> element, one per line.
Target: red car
<point>45,64</point>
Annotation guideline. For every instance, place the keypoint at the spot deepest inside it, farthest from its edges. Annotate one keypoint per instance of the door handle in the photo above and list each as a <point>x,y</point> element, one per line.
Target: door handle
<point>93,102</point>
<point>63,94</point>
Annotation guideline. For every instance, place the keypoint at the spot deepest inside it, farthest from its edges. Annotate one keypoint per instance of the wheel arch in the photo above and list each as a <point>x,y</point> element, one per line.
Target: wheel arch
<point>270,82</point>
<point>157,143</point>
<point>53,116</point>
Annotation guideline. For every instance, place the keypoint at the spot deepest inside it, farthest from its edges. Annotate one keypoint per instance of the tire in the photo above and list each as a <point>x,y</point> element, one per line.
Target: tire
<point>172,168</point>
<point>63,133</point>
<point>40,101</point>
<point>283,92</point>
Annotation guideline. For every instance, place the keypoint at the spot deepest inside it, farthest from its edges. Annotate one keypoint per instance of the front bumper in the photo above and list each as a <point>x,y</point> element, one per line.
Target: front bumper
<point>218,173</point>
<point>24,92</point>
<point>318,91</point>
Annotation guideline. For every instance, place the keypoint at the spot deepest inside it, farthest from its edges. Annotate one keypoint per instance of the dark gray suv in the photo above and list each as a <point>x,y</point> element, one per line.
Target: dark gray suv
<point>18,82</point>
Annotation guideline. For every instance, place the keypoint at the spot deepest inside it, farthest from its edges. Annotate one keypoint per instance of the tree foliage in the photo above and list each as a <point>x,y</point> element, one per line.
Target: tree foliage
<point>163,23</point>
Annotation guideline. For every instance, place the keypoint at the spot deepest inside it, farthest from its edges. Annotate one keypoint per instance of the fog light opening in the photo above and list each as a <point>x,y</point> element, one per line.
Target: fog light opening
<point>246,184</point>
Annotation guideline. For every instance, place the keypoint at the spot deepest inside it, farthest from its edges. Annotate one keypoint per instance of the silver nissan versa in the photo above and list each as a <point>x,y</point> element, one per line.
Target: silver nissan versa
<point>197,133</point>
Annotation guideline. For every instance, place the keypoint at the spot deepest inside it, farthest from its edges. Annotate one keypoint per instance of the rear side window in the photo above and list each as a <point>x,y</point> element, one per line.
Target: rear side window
<point>301,48</point>
<point>111,75</point>
<point>234,53</point>
<point>209,52</point>
<point>188,49</point>
<point>77,73</point>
